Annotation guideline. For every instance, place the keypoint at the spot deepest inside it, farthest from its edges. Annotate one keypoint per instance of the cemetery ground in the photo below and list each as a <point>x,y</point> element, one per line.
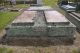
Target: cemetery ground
<point>7,17</point>
<point>74,48</point>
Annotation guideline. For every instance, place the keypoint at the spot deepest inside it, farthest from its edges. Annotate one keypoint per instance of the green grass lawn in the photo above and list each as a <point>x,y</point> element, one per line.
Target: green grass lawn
<point>51,3</point>
<point>7,17</point>
<point>22,6</point>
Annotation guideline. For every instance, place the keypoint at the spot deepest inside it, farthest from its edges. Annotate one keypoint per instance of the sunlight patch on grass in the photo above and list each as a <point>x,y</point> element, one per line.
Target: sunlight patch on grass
<point>6,17</point>
<point>50,2</point>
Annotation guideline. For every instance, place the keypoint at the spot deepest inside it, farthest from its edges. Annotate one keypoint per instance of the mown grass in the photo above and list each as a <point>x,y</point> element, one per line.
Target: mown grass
<point>51,3</point>
<point>22,6</point>
<point>6,50</point>
<point>7,17</point>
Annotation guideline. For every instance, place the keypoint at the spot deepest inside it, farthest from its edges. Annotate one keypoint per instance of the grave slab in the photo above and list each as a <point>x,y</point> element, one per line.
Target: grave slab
<point>56,18</point>
<point>27,17</point>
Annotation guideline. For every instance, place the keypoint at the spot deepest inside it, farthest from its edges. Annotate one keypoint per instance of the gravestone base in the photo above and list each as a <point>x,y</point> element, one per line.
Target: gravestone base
<point>35,5</point>
<point>15,10</point>
<point>39,41</point>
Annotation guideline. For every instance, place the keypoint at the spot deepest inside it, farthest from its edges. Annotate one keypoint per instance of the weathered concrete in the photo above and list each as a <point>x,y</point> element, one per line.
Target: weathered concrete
<point>74,18</point>
<point>40,19</point>
<point>35,8</point>
<point>41,27</point>
<point>26,18</point>
<point>56,18</point>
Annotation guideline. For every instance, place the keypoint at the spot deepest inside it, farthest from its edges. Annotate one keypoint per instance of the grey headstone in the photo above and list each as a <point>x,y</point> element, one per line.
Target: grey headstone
<point>39,2</point>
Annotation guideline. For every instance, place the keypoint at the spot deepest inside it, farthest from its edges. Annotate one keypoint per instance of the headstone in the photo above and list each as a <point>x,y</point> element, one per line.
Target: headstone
<point>39,2</point>
<point>13,2</point>
<point>66,6</point>
<point>78,7</point>
<point>1,8</point>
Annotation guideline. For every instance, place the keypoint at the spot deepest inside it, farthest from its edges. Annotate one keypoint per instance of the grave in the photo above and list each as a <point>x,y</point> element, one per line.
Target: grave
<point>40,22</point>
<point>67,6</point>
<point>2,8</point>
<point>15,9</point>
<point>23,1</point>
<point>74,17</point>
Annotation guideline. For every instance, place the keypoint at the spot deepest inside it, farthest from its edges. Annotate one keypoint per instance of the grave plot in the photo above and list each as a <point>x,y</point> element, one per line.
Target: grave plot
<point>25,19</point>
<point>2,8</point>
<point>40,22</point>
<point>67,5</point>
<point>15,10</point>
<point>73,15</point>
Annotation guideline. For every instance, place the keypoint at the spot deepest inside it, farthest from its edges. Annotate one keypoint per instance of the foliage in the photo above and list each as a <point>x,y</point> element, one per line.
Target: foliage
<point>1,1</point>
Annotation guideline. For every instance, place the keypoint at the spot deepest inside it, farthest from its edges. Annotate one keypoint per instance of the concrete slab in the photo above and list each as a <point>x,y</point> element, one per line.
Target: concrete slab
<point>25,17</point>
<point>55,17</point>
<point>40,19</point>
<point>34,8</point>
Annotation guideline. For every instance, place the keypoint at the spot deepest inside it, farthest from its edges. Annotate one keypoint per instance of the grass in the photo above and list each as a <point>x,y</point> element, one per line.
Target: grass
<point>6,17</point>
<point>19,6</point>
<point>75,51</point>
<point>6,50</point>
<point>51,3</point>
<point>22,6</point>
